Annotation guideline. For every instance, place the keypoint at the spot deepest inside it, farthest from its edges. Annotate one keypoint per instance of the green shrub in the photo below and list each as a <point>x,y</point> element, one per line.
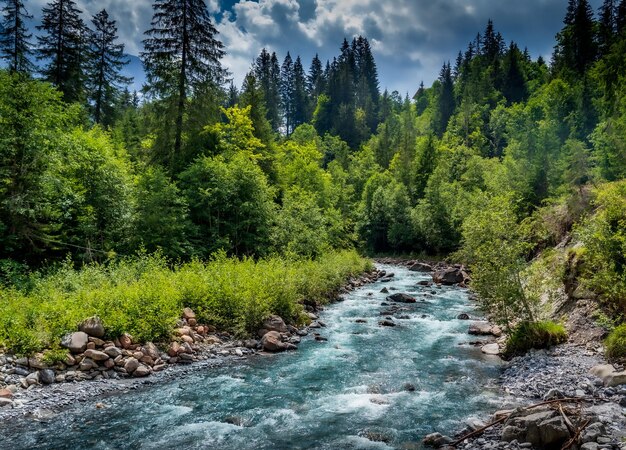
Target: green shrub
<point>616,343</point>
<point>529,335</point>
<point>144,296</point>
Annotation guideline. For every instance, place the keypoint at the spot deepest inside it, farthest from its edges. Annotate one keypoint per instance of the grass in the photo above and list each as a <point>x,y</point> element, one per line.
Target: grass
<point>144,296</point>
<point>534,335</point>
<point>616,343</point>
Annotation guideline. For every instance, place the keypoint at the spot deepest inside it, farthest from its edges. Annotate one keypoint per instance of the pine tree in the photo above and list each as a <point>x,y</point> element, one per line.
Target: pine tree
<point>287,93</point>
<point>300,99</point>
<point>366,81</point>
<point>267,74</point>
<point>445,100</point>
<point>606,26</point>
<point>15,46</point>
<point>63,45</point>
<point>620,18</point>
<point>233,95</point>
<point>576,48</point>
<point>491,43</point>
<point>252,96</point>
<point>182,56</point>
<point>316,80</point>
<point>514,86</point>
<point>106,60</point>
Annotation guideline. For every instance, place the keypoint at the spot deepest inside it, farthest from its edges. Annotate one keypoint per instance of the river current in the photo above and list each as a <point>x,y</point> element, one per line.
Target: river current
<point>368,386</point>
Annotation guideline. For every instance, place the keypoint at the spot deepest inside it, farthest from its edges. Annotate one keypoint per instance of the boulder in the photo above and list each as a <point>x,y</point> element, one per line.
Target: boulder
<point>188,314</point>
<point>420,267</point>
<point>436,440</point>
<point>542,429</point>
<point>113,352</point>
<point>463,316</point>
<point>141,371</point>
<point>5,393</point>
<point>131,365</point>
<point>450,276</point>
<point>126,341</point>
<point>37,363</point>
<point>152,351</point>
<point>47,376</point>
<point>87,364</point>
<point>387,323</point>
<point>272,342</point>
<point>5,402</point>
<point>401,298</point>
<point>76,342</point>
<point>96,355</point>
<point>616,379</point>
<point>275,323</point>
<point>93,327</point>
<point>484,329</point>
<point>491,349</point>
<point>384,291</point>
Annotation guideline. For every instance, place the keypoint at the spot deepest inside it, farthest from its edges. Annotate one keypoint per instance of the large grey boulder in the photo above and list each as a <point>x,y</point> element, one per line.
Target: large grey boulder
<point>272,342</point>
<point>47,376</point>
<point>450,276</point>
<point>275,323</point>
<point>401,298</point>
<point>93,327</point>
<point>75,342</point>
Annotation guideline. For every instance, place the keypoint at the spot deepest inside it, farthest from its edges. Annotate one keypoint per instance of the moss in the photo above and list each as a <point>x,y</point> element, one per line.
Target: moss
<point>537,335</point>
<point>616,343</point>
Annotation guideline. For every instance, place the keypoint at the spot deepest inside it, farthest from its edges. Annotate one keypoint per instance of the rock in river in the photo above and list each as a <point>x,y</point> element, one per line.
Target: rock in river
<point>401,298</point>
<point>272,342</point>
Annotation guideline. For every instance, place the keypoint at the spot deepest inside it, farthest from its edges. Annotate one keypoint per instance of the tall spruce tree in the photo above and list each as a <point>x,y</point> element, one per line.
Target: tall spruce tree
<point>300,98</point>
<point>620,18</point>
<point>316,80</point>
<point>287,92</point>
<point>576,46</point>
<point>106,60</point>
<point>182,56</point>
<point>15,46</point>
<point>366,81</point>
<point>445,100</point>
<point>606,26</point>
<point>267,74</point>
<point>62,45</point>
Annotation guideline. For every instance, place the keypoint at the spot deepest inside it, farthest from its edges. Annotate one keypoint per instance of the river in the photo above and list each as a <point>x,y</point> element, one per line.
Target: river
<point>365,385</point>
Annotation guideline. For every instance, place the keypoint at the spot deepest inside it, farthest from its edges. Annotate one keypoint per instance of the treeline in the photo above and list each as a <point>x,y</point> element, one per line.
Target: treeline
<point>298,161</point>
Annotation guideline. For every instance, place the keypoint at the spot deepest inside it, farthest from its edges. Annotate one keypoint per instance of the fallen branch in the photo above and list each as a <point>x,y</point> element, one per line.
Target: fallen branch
<point>576,436</point>
<point>502,419</point>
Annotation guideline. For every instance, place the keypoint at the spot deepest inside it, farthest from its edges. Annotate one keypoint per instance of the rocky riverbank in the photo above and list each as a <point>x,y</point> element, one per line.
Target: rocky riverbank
<point>94,366</point>
<point>581,406</point>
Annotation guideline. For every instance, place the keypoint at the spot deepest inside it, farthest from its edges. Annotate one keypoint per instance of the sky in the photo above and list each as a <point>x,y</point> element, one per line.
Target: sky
<point>411,39</point>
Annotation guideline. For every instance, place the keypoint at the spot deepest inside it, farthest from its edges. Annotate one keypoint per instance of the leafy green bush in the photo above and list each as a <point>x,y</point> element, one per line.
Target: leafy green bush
<point>144,296</point>
<point>529,335</point>
<point>616,343</point>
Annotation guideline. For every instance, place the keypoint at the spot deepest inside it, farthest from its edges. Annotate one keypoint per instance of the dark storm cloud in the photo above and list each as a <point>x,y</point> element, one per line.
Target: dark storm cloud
<point>410,38</point>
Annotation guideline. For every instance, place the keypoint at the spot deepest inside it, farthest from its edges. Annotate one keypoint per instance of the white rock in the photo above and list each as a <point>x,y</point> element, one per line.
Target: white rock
<point>491,349</point>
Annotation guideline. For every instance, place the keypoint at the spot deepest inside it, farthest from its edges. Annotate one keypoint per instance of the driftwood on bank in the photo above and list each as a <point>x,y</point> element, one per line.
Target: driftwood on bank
<point>560,401</point>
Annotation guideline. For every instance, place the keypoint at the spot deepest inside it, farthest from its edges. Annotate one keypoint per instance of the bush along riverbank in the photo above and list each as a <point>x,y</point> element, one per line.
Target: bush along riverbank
<point>224,308</point>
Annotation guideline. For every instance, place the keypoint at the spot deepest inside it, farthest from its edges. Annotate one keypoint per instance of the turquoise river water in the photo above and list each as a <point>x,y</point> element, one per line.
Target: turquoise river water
<point>347,393</point>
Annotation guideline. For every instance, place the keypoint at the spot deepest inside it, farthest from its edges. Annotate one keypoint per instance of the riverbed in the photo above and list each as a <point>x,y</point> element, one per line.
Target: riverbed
<point>367,386</point>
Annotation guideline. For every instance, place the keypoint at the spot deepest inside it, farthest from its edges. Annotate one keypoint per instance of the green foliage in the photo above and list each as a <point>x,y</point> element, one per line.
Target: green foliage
<point>616,343</point>
<point>144,297</point>
<point>534,335</point>
<point>604,238</point>
<point>162,217</point>
<point>495,249</point>
<point>230,203</point>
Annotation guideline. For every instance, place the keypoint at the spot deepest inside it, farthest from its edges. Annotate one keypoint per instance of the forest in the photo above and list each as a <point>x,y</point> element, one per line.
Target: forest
<point>502,163</point>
